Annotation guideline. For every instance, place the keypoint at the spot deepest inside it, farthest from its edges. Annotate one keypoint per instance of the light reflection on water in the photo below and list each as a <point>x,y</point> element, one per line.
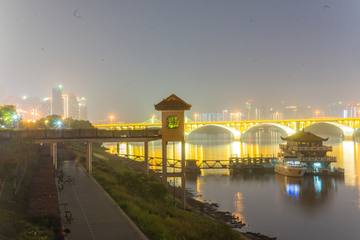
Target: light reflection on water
<point>311,207</point>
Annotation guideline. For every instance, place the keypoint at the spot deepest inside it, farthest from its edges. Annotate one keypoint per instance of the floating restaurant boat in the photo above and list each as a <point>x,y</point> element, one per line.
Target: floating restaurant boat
<point>306,150</point>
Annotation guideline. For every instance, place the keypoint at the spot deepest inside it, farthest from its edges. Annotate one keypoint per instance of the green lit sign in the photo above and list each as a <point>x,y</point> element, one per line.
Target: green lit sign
<point>172,122</point>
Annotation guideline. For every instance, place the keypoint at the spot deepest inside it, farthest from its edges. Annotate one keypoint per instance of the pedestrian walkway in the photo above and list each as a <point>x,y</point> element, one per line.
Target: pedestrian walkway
<point>95,215</point>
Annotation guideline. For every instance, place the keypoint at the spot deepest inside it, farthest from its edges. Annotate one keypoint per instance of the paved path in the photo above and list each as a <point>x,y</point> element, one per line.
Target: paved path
<point>96,215</point>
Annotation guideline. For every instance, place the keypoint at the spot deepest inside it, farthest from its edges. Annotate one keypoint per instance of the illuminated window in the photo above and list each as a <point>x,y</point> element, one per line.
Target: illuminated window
<point>172,122</point>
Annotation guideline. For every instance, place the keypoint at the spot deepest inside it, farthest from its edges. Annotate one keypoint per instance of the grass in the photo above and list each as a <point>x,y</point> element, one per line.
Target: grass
<point>155,214</point>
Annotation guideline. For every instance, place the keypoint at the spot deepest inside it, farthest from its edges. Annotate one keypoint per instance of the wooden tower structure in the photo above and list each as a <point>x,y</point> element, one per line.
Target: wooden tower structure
<point>173,130</point>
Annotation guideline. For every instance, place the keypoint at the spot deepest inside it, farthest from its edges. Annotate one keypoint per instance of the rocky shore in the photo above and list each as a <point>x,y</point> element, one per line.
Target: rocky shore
<point>208,210</point>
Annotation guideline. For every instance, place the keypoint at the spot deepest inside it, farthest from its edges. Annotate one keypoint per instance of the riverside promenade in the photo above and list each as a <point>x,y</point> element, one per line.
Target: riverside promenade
<point>95,215</point>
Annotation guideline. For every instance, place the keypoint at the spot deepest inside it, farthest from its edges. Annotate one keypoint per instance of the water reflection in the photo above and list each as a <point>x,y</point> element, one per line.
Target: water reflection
<point>310,191</point>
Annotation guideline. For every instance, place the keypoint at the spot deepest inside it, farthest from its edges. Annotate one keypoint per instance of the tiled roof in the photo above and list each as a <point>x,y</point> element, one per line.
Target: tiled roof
<point>304,137</point>
<point>172,102</point>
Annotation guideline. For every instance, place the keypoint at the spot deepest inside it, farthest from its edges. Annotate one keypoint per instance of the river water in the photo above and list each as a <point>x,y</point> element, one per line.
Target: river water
<point>311,207</point>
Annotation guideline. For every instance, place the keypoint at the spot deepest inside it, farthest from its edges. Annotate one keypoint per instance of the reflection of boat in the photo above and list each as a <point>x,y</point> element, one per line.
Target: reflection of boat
<point>290,166</point>
<point>307,150</point>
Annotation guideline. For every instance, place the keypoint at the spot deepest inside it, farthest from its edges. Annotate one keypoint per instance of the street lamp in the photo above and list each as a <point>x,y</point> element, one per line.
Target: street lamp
<point>153,118</point>
<point>317,112</point>
<point>195,115</point>
<point>15,120</point>
<point>111,121</point>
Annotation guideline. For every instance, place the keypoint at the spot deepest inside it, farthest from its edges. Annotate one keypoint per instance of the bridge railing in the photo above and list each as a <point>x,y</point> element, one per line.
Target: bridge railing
<point>77,133</point>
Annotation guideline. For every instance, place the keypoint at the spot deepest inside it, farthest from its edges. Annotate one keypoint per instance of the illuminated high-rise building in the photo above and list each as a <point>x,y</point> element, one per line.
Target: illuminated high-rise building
<point>65,105</point>
<point>82,109</point>
<point>73,106</point>
<point>45,107</point>
<point>225,115</point>
<point>57,103</point>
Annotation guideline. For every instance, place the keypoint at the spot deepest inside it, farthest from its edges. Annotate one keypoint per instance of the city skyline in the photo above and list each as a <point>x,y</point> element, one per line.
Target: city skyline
<point>126,56</point>
<point>75,107</point>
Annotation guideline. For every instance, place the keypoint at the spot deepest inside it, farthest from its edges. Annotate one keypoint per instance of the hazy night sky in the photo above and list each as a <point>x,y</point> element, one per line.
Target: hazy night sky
<point>125,56</point>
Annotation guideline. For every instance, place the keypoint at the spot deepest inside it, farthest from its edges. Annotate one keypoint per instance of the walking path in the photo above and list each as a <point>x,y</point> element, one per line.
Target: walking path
<point>95,215</point>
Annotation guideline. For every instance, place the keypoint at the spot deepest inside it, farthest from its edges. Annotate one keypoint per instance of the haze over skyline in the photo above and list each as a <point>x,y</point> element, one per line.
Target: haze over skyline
<point>124,57</point>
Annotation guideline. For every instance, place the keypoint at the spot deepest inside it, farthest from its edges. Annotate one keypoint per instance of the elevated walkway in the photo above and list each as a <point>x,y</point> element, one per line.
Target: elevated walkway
<point>96,215</point>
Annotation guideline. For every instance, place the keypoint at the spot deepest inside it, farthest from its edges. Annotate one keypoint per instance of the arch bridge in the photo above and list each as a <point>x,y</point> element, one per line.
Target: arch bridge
<point>347,125</point>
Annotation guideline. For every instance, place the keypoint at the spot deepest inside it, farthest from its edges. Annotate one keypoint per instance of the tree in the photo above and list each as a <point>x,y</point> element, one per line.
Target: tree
<point>7,113</point>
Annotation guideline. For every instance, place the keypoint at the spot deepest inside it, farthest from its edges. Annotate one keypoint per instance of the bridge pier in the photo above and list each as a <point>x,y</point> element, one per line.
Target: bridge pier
<point>146,160</point>
<point>118,148</point>
<point>164,161</point>
<point>53,152</point>
<point>183,167</point>
<point>88,157</point>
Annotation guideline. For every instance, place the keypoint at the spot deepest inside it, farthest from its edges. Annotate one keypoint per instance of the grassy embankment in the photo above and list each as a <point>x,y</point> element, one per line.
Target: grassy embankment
<point>14,221</point>
<point>148,203</point>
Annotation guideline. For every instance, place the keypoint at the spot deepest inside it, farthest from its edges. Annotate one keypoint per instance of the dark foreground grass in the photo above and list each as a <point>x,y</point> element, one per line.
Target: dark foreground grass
<point>14,210</point>
<point>156,216</point>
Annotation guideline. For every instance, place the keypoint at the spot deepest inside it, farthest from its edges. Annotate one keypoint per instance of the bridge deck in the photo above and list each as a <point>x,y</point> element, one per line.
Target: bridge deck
<point>91,135</point>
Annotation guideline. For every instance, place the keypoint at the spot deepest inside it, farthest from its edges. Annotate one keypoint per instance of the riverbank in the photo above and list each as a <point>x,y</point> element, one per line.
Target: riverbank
<point>207,210</point>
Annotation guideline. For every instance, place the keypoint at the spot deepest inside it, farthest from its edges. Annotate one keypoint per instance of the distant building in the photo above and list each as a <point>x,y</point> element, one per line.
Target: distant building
<point>225,115</point>
<point>290,112</point>
<point>215,117</point>
<point>203,117</point>
<point>57,103</point>
<point>65,105</point>
<point>82,109</point>
<point>73,106</point>
<point>45,107</point>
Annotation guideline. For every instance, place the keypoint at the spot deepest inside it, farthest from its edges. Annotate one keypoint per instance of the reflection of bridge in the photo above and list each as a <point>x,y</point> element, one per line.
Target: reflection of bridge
<point>346,125</point>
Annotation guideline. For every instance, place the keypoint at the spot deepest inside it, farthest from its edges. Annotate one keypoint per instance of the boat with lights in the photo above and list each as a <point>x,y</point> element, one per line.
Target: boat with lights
<point>304,153</point>
<point>290,166</point>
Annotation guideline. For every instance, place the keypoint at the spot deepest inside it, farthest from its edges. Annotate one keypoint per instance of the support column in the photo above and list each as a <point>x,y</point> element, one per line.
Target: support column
<point>118,148</point>
<point>183,167</point>
<point>164,162</point>
<point>89,157</point>
<point>54,154</point>
<point>127,148</point>
<point>146,160</point>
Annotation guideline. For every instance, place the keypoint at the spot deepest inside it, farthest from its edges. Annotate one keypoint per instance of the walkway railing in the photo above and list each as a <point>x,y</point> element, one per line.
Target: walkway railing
<point>78,133</point>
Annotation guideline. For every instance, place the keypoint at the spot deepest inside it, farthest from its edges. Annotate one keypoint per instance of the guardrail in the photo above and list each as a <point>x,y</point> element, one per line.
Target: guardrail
<point>77,133</point>
<point>291,148</point>
<point>318,159</point>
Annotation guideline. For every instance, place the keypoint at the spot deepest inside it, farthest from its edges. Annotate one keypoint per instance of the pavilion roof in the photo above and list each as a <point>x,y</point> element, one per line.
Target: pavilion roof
<point>172,102</point>
<point>304,137</point>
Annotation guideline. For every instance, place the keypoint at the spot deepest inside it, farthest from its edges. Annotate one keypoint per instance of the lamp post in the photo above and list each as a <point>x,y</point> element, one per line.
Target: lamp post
<point>195,115</point>
<point>317,112</point>
<point>153,118</point>
<point>111,121</point>
<point>15,119</point>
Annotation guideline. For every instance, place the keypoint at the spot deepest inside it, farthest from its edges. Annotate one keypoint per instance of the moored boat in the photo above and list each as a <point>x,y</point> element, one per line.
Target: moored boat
<point>306,150</point>
<point>290,166</point>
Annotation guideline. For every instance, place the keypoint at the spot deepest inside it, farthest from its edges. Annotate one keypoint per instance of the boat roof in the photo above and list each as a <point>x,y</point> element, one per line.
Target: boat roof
<point>304,137</point>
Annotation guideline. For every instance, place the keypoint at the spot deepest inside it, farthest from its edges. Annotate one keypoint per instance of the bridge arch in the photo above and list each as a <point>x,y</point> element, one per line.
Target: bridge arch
<point>289,131</point>
<point>236,133</point>
<point>348,132</point>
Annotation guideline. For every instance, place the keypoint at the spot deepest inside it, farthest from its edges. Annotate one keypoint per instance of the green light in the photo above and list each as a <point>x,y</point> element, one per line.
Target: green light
<point>172,122</point>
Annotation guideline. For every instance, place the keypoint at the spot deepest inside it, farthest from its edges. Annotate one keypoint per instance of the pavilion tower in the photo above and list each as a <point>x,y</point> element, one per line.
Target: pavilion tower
<point>173,130</point>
